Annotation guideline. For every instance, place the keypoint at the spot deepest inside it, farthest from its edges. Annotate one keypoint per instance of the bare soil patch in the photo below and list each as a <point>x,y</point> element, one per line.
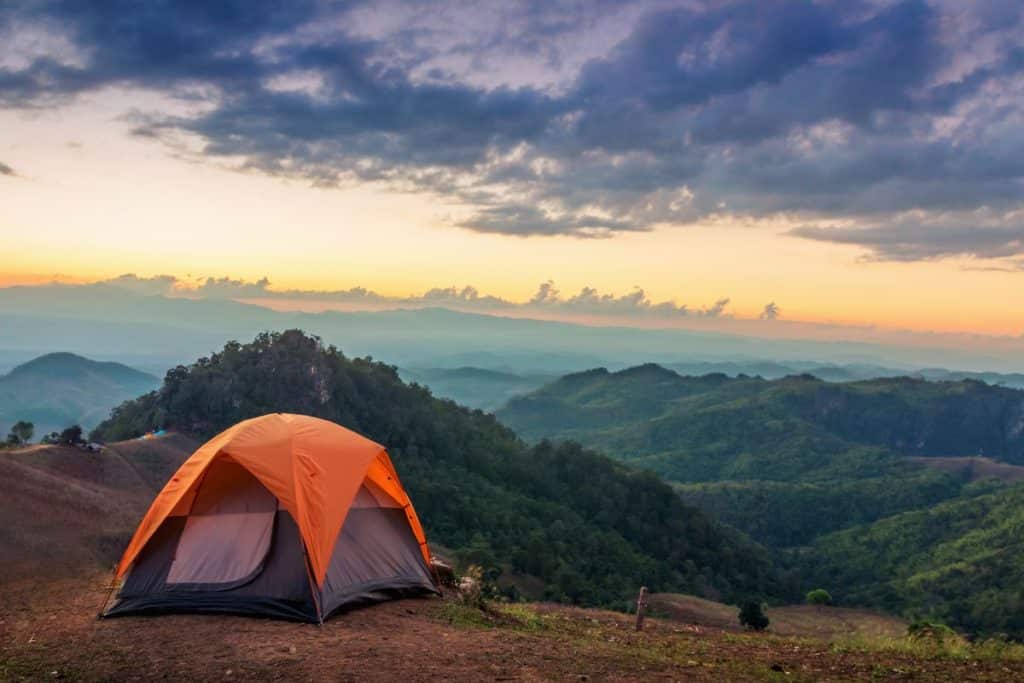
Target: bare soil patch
<point>974,468</point>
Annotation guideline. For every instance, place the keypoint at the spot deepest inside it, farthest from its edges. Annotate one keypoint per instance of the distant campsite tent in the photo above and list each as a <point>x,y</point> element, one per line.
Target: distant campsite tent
<point>282,515</point>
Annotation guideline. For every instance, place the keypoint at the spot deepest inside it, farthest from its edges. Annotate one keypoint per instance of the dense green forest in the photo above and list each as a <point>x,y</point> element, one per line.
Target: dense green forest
<point>784,460</point>
<point>817,472</point>
<point>650,411</point>
<point>590,528</point>
<point>961,561</point>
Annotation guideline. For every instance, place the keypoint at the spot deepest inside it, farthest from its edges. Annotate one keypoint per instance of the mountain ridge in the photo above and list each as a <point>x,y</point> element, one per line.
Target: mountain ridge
<point>56,390</point>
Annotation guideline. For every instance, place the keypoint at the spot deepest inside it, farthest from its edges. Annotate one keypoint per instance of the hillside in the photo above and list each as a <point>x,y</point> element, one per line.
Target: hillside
<point>795,461</point>
<point>961,561</point>
<point>61,389</point>
<point>650,410</point>
<point>801,621</point>
<point>785,460</point>
<point>65,510</point>
<point>73,511</point>
<point>592,530</point>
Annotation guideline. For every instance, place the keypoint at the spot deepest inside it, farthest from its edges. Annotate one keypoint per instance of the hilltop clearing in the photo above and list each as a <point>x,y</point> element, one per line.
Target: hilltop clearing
<point>51,632</point>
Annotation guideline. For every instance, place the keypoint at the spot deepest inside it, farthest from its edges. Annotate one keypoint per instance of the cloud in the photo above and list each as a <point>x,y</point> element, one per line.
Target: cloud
<point>771,311</point>
<point>589,301</point>
<point>228,288</point>
<point>580,119</point>
<point>548,300</point>
<point>716,309</point>
<point>156,285</point>
<point>978,235</point>
<point>6,170</point>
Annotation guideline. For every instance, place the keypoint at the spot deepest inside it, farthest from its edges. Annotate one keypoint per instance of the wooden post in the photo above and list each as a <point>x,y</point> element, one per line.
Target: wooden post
<point>641,605</point>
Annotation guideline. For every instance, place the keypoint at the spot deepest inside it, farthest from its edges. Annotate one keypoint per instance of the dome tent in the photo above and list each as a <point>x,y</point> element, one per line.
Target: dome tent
<point>281,515</point>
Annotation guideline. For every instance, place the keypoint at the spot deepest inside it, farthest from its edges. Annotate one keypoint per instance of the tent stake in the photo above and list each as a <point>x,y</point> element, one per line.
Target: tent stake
<point>110,592</point>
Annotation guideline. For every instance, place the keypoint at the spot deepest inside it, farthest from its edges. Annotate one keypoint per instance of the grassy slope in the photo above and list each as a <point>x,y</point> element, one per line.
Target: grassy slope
<point>65,509</point>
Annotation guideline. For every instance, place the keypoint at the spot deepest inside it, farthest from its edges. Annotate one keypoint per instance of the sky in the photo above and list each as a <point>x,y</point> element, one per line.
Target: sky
<point>857,163</point>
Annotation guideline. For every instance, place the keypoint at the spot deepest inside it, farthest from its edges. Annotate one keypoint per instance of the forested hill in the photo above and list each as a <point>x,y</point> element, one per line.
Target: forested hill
<point>818,472</point>
<point>649,409</point>
<point>784,460</point>
<point>592,530</point>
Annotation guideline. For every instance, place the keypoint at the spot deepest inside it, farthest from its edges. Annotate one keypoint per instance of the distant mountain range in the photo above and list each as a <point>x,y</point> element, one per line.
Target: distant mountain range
<point>58,390</point>
<point>155,333</point>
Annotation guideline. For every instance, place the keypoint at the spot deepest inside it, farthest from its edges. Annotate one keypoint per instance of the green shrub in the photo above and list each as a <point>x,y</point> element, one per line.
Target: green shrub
<point>819,596</point>
<point>752,615</point>
<point>927,630</point>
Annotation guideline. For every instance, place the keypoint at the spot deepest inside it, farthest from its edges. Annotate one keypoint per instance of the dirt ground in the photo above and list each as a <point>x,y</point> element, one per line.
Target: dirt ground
<point>49,630</point>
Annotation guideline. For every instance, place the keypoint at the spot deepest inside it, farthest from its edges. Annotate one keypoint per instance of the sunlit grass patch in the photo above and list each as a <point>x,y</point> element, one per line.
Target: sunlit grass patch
<point>949,647</point>
<point>516,616</point>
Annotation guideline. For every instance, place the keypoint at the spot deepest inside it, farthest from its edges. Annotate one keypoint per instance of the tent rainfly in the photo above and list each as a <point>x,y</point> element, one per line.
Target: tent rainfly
<point>284,516</point>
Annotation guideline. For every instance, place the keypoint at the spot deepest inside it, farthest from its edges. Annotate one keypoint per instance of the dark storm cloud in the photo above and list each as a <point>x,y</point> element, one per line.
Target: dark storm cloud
<point>854,112</point>
<point>914,240</point>
<point>529,220</point>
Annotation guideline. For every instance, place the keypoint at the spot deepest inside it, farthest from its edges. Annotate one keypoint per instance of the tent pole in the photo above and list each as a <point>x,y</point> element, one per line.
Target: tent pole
<point>313,588</point>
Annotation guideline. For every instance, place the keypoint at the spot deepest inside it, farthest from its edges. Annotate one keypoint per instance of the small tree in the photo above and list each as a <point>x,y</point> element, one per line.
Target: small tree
<point>819,596</point>
<point>21,433</point>
<point>24,429</point>
<point>72,435</point>
<point>752,615</point>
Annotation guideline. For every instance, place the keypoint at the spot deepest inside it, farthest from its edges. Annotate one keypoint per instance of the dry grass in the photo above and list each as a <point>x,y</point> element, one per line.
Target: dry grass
<point>804,621</point>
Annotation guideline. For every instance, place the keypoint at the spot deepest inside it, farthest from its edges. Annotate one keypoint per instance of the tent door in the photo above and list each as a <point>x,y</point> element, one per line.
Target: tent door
<point>228,533</point>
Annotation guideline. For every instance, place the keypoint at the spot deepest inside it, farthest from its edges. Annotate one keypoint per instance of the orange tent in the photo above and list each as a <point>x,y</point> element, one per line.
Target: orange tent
<point>268,502</point>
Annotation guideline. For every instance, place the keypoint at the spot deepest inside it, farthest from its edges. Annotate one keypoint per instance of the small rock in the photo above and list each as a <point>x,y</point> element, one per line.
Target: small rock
<point>228,672</point>
<point>292,650</point>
